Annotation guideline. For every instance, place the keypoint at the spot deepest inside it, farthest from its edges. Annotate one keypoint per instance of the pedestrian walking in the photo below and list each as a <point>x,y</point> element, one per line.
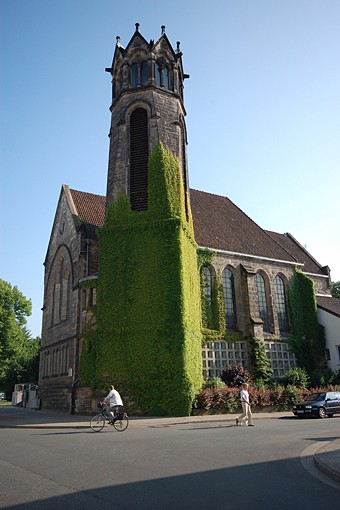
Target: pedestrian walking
<point>246,408</point>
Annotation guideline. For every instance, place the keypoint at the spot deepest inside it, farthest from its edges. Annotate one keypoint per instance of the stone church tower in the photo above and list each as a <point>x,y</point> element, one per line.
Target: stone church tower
<point>147,107</point>
<point>148,314</point>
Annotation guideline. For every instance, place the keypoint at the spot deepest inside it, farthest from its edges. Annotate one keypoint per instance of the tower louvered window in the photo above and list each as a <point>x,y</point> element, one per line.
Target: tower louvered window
<point>139,160</point>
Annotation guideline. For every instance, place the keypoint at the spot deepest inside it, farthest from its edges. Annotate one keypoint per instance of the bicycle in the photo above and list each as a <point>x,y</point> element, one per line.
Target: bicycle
<point>119,420</point>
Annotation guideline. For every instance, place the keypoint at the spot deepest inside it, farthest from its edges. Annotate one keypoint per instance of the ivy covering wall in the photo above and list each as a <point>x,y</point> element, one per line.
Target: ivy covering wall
<point>148,336</point>
<point>307,339</point>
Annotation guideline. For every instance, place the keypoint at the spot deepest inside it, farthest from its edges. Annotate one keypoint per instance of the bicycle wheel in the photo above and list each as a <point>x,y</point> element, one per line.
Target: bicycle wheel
<point>97,422</point>
<point>122,424</point>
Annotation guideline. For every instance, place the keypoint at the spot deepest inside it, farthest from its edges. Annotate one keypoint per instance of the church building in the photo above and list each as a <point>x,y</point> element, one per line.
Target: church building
<point>215,279</point>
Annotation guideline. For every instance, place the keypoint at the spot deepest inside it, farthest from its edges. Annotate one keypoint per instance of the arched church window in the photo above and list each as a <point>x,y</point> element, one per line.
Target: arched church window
<point>281,304</point>
<point>229,299</point>
<point>139,152</point>
<point>262,301</point>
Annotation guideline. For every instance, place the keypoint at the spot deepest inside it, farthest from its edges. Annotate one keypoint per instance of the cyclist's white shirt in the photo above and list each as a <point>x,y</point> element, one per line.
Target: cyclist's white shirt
<point>114,398</point>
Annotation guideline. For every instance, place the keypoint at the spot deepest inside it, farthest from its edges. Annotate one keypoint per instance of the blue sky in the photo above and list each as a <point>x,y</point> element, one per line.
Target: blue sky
<point>262,101</point>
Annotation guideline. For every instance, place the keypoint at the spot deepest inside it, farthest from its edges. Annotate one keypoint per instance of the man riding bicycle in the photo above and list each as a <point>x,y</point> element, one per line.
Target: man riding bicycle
<point>113,400</point>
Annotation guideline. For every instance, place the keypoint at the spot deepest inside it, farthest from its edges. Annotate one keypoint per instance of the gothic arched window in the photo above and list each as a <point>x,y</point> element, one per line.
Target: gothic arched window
<point>139,153</point>
<point>262,301</point>
<point>229,299</point>
<point>281,305</point>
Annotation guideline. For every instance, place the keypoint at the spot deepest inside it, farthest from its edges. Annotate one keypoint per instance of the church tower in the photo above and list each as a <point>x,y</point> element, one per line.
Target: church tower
<point>147,108</point>
<point>148,338</point>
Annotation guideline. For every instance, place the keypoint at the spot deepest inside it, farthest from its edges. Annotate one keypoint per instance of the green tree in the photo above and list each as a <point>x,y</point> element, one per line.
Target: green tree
<point>261,364</point>
<point>19,353</point>
<point>335,290</point>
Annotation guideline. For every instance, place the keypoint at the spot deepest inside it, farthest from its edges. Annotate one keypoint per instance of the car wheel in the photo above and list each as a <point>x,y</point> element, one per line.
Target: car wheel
<point>300,417</point>
<point>322,412</point>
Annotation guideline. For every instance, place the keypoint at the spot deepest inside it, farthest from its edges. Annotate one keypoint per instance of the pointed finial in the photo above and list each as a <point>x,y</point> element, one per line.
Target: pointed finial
<point>178,47</point>
<point>163,29</point>
<point>118,40</point>
<point>137,27</point>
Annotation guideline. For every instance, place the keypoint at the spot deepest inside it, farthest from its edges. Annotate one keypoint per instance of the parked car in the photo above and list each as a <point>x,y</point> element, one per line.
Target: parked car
<point>320,404</point>
<point>2,396</point>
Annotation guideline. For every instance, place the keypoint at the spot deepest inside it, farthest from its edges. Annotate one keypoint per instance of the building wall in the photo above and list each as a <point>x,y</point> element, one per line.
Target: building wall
<point>331,324</point>
<point>59,340</point>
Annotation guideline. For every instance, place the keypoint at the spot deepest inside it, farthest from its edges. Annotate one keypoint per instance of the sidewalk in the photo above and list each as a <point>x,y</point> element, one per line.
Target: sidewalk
<point>326,458</point>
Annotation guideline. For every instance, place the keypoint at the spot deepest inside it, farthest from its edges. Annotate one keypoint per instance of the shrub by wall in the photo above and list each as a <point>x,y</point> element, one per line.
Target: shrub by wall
<point>277,398</point>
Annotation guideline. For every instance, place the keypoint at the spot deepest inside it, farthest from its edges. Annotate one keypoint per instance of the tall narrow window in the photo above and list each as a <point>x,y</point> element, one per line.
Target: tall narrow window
<point>165,76</point>
<point>144,73</point>
<point>139,152</point>
<point>229,298</point>
<point>206,282</point>
<point>281,305</point>
<point>158,75</point>
<point>262,300</point>
<point>134,75</point>
<point>207,287</point>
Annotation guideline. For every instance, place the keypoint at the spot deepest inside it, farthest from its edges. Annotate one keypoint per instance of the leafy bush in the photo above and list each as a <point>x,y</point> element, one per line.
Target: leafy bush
<point>324,377</point>
<point>218,399</point>
<point>260,396</point>
<point>261,364</point>
<point>216,382</point>
<point>296,377</point>
<point>290,396</point>
<point>235,375</point>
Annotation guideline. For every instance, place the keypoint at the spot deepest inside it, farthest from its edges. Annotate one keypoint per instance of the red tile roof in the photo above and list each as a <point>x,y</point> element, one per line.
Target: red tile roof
<point>329,304</point>
<point>90,207</point>
<point>220,224</point>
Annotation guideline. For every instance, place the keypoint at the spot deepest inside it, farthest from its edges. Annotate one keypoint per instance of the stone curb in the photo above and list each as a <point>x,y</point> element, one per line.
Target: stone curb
<point>323,465</point>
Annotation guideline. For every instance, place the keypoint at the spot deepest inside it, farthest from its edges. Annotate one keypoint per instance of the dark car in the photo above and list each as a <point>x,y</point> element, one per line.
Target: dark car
<point>319,404</point>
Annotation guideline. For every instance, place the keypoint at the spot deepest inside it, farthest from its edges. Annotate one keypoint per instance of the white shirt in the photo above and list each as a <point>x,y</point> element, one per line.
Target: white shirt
<point>244,396</point>
<point>114,398</point>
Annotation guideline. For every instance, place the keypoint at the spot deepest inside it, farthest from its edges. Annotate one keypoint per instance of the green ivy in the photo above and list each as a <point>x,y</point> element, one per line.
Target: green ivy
<point>213,314</point>
<point>261,364</point>
<point>307,339</point>
<point>148,336</point>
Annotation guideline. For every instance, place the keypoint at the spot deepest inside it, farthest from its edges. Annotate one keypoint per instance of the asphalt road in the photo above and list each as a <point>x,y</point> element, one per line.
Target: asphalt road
<point>191,466</point>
